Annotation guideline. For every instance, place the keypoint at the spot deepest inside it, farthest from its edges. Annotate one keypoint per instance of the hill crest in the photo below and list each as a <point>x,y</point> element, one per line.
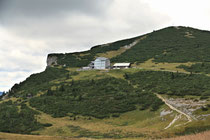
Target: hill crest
<point>171,44</point>
<point>170,66</point>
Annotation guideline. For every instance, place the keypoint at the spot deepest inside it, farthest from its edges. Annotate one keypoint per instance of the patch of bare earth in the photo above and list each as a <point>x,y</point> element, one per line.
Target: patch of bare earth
<point>189,35</point>
<point>188,106</point>
<point>111,54</point>
<point>9,136</point>
<point>185,107</point>
<point>177,27</point>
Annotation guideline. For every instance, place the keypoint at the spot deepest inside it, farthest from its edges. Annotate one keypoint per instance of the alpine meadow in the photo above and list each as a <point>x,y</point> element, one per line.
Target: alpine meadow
<point>156,86</point>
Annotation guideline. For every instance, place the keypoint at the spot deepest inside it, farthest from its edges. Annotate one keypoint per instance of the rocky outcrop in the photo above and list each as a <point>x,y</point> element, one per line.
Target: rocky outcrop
<point>51,60</point>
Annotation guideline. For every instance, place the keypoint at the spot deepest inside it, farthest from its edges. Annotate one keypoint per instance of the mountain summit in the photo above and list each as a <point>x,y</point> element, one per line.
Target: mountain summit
<point>172,44</point>
<point>152,86</point>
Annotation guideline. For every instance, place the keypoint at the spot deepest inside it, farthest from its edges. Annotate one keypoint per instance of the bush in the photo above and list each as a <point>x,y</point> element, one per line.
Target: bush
<point>204,97</point>
<point>197,68</point>
<point>177,84</point>
<point>13,120</point>
<point>204,108</point>
<point>37,82</point>
<point>115,115</point>
<point>101,99</point>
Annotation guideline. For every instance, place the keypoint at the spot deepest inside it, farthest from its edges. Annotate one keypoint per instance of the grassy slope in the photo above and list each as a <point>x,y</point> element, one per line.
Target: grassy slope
<point>173,45</point>
<point>170,45</point>
<point>145,122</point>
<point>80,59</point>
<point>148,123</point>
<point>200,136</point>
<point>7,136</point>
<point>197,68</point>
<point>131,124</point>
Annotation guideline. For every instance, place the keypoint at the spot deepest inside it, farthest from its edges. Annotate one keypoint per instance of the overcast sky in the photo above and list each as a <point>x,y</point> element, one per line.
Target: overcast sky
<point>30,29</point>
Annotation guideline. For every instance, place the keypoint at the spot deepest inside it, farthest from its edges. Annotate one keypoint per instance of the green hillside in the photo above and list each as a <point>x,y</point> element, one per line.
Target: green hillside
<point>169,66</point>
<point>80,59</point>
<point>172,44</point>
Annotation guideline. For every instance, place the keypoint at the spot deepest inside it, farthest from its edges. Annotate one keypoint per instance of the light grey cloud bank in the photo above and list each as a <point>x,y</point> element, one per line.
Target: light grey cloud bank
<point>30,29</point>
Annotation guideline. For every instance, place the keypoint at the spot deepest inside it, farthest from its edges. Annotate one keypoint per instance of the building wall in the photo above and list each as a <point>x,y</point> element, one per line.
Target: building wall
<point>107,64</point>
<point>101,64</point>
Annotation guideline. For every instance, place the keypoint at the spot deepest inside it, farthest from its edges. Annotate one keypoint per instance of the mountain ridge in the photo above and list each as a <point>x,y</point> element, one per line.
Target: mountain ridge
<point>161,45</point>
<point>171,63</point>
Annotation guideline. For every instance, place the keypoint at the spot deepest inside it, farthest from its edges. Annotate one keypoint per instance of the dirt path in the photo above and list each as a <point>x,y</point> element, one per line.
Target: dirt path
<point>175,109</point>
<point>174,120</point>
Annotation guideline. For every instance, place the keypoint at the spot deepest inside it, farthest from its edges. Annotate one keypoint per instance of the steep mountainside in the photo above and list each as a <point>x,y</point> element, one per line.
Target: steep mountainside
<point>172,44</point>
<point>165,93</point>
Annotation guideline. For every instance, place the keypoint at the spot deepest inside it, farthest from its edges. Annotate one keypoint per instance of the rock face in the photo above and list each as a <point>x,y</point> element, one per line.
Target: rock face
<point>51,61</point>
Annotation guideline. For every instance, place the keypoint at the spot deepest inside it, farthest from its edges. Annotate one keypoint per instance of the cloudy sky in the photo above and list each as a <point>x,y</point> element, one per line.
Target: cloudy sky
<point>30,29</point>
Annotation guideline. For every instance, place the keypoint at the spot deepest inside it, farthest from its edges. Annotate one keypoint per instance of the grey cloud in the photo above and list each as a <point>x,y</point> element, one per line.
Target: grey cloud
<point>44,18</point>
<point>30,29</point>
<point>48,8</point>
<point>14,70</point>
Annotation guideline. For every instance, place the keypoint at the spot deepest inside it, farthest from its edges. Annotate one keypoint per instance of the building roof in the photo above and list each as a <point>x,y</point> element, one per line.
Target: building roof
<point>122,64</point>
<point>101,58</point>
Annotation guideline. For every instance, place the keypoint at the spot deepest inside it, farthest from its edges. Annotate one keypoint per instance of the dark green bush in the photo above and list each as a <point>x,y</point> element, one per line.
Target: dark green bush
<point>197,68</point>
<point>177,84</point>
<point>101,98</point>
<point>204,108</point>
<point>38,82</point>
<point>14,120</point>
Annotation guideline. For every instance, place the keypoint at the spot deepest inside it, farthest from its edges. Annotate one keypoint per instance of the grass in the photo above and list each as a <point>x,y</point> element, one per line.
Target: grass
<point>150,65</point>
<point>199,136</point>
<point>111,54</point>
<point>200,111</point>
<point>134,122</point>
<point>114,53</point>
<point>8,136</point>
<point>131,124</point>
<point>98,74</point>
<point>13,99</point>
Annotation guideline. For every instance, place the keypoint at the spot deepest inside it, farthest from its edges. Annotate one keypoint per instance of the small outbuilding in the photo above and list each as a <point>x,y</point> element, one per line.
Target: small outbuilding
<point>102,63</point>
<point>91,65</point>
<point>121,65</point>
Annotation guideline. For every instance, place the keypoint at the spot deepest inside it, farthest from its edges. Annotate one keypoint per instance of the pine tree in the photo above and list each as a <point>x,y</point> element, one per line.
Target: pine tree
<point>126,76</point>
<point>172,75</point>
<point>49,92</point>
<point>62,88</point>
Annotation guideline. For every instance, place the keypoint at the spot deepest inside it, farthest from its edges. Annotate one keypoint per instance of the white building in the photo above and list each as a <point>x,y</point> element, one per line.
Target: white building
<point>121,65</point>
<point>102,63</point>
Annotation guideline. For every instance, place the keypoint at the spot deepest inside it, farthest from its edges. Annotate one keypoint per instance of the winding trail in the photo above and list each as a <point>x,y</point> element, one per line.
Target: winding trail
<point>174,120</point>
<point>175,109</point>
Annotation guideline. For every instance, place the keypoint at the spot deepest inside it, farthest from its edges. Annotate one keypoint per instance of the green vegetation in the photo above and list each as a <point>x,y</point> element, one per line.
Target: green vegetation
<point>80,59</point>
<point>167,45</point>
<point>98,98</point>
<point>170,45</point>
<point>114,134</point>
<point>15,119</point>
<point>197,68</point>
<point>39,82</point>
<point>194,130</point>
<point>171,83</point>
<point>61,91</point>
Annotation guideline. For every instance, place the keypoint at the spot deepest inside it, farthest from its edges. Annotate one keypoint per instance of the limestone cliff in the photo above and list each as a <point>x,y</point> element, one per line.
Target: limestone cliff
<point>51,60</point>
